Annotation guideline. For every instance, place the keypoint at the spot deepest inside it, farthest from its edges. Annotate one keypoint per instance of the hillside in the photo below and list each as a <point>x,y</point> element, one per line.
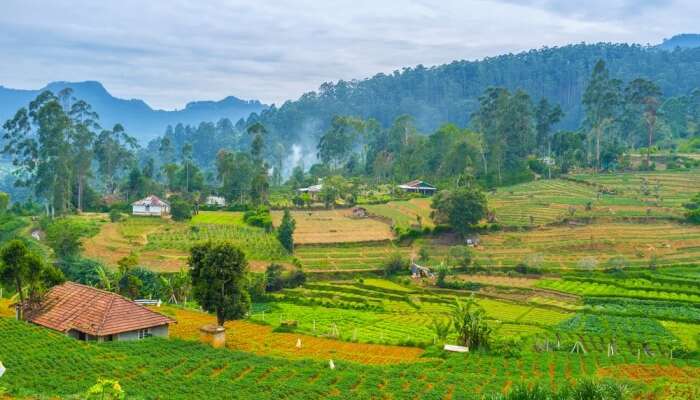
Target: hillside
<point>686,40</point>
<point>139,119</point>
<point>450,92</point>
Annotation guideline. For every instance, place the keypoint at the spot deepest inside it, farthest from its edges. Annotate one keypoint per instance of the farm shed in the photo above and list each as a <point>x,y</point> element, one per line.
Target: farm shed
<point>86,313</point>
<point>359,212</point>
<point>218,201</point>
<point>418,186</point>
<point>313,191</point>
<point>151,206</point>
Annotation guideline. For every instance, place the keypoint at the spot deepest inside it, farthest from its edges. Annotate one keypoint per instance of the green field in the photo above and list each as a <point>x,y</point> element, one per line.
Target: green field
<point>177,369</point>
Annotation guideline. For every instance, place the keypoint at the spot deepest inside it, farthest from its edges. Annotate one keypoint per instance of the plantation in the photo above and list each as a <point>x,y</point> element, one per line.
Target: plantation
<point>177,369</point>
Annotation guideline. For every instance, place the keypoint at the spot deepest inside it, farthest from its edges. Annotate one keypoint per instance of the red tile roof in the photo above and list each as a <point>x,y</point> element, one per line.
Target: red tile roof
<point>92,311</point>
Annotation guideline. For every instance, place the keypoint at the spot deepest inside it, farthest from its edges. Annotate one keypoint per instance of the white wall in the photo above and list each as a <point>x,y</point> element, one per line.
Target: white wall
<point>158,331</point>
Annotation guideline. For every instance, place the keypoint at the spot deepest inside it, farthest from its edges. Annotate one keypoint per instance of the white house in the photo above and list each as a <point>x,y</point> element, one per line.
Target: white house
<point>218,201</point>
<point>151,206</point>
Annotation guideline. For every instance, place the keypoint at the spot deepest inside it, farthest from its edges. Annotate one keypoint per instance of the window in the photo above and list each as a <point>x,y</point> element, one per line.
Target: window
<point>144,333</point>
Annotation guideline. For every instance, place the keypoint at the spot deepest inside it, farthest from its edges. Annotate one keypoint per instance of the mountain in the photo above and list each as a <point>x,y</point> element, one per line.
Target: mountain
<point>683,41</point>
<point>450,92</point>
<point>139,119</point>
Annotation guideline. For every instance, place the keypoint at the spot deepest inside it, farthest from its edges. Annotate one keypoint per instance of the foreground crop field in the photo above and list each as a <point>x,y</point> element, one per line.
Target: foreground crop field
<point>335,226</point>
<point>177,369</point>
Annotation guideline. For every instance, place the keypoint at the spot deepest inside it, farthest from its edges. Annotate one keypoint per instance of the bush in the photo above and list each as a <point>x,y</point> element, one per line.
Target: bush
<point>115,215</point>
<point>395,264</point>
<point>180,210</point>
<point>259,217</point>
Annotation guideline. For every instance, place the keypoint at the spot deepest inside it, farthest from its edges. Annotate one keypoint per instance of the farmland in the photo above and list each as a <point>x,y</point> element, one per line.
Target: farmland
<point>175,369</point>
<point>335,226</point>
<point>614,285</point>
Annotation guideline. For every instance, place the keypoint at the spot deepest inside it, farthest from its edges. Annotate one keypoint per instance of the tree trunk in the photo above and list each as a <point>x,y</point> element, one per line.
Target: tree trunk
<point>650,130</point>
<point>80,194</point>
<point>18,283</point>
<point>597,149</point>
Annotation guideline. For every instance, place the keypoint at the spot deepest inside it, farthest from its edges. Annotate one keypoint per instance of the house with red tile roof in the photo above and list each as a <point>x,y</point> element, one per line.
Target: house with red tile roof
<point>87,313</point>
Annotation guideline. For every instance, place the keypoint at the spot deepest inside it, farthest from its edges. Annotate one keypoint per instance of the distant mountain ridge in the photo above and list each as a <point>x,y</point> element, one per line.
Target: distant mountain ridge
<point>139,119</point>
<point>683,41</point>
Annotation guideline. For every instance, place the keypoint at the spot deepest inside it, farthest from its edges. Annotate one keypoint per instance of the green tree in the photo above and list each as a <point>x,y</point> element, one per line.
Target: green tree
<point>114,151</point>
<point>601,100</point>
<point>20,268</point>
<point>646,95</point>
<point>285,232</point>
<point>336,144</point>
<point>461,208</point>
<point>546,116</point>
<point>334,187</point>
<point>180,210</point>
<point>219,280</point>
<point>64,236</point>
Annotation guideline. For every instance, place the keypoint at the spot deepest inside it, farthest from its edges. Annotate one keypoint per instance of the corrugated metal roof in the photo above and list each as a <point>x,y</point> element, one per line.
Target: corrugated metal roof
<point>151,200</point>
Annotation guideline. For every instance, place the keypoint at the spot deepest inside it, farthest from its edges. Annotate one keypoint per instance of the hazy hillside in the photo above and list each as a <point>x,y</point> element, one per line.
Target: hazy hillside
<point>138,117</point>
<point>686,40</point>
<point>450,92</point>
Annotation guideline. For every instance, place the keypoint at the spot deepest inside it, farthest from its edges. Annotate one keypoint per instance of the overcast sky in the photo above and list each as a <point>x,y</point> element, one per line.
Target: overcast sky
<point>169,52</point>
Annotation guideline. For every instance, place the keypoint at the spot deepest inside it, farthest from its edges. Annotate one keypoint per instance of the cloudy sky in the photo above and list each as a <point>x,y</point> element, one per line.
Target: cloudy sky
<point>169,52</point>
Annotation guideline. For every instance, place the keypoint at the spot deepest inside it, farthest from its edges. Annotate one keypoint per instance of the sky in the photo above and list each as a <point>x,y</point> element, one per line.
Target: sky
<point>170,52</point>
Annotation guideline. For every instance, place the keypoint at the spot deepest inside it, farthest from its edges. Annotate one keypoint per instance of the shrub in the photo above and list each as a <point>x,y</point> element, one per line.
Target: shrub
<point>180,210</point>
<point>395,264</point>
<point>285,233</point>
<point>260,217</point>
<point>115,215</point>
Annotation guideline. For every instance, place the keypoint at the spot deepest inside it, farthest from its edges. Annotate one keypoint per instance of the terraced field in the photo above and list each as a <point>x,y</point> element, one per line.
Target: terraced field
<point>163,245</point>
<point>348,256</point>
<point>371,312</point>
<point>587,246</point>
<point>672,187</point>
<point>539,202</point>
<point>335,226</point>
<point>404,213</point>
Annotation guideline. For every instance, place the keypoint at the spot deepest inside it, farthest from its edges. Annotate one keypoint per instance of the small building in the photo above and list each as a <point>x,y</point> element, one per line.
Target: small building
<point>313,190</point>
<point>418,186</point>
<point>359,212</point>
<point>150,206</point>
<point>87,313</point>
<point>216,201</point>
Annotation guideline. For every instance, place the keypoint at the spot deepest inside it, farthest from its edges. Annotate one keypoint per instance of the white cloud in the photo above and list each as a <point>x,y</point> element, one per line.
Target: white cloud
<point>171,52</point>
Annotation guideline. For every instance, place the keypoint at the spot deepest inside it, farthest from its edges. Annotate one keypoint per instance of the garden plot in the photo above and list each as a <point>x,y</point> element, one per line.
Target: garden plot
<point>335,226</point>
